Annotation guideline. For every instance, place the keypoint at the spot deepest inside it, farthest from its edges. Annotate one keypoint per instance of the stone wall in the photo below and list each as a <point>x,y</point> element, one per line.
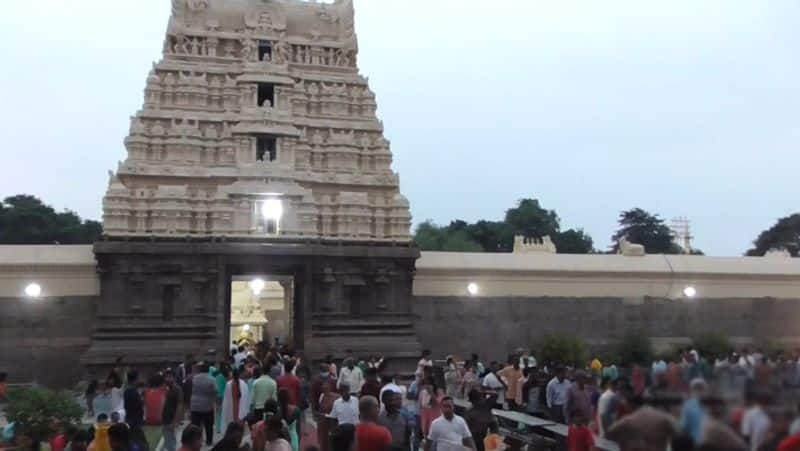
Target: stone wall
<point>494,326</point>
<point>43,340</point>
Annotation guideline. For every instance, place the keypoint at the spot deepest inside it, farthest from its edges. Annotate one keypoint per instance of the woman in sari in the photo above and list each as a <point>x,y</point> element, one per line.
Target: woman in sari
<point>429,406</point>
<point>236,401</point>
<point>291,416</point>
<point>470,381</point>
<point>326,400</point>
<point>452,378</point>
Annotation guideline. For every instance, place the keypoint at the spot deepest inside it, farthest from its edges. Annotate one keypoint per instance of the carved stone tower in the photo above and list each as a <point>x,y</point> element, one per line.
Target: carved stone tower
<point>258,150</point>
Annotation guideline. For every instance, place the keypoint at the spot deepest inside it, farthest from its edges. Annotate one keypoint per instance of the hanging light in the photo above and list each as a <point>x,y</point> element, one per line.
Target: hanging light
<point>690,292</point>
<point>257,286</point>
<point>473,289</point>
<point>246,328</point>
<point>33,290</point>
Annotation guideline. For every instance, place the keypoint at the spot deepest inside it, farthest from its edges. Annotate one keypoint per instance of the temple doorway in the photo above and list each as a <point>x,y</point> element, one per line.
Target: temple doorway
<point>262,310</point>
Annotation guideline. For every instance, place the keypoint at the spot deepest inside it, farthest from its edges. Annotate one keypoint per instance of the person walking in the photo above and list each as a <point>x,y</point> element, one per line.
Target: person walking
<point>578,406</point>
<point>607,406</point>
<point>291,415</point>
<point>429,407</point>
<point>371,436</point>
<point>324,407</point>
<point>352,376</point>
<point>172,412</point>
<point>392,419</point>
<point>371,387</point>
<point>511,374</point>
<point>264,389</point>
<point>345,409</point>
<point>204,397</point>
<point>134,411</point>
<point>290,383</point>
<point>556,394</point>
<point>236,400</point>
<point>449,430</point>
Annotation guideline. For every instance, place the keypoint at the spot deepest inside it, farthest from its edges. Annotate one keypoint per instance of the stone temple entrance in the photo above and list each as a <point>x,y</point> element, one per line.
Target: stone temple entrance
<point>162,300</point>
<point>261,310</point>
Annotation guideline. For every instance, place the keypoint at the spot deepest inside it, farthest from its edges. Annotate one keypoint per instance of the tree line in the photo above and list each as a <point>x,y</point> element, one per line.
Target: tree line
<point>528,218</point>
<point>25,219</point>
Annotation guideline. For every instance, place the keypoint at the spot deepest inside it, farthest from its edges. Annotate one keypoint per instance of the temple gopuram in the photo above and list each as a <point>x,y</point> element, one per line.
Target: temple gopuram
<point>256,157</point>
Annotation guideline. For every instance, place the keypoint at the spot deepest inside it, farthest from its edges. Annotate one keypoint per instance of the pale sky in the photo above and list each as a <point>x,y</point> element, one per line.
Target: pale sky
<point>684,108</point>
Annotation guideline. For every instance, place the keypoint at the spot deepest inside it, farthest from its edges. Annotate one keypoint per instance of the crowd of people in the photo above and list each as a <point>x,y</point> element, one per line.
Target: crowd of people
<point>270,399</point>
<point>737,401</point>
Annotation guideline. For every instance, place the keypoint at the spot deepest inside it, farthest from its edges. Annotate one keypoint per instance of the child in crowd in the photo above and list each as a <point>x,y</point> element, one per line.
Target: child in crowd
<point>580,437</point>
<point>101,441</point>
<point>493,441</point>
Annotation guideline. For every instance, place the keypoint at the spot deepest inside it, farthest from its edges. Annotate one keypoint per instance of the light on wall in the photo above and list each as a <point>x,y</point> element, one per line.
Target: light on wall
<point>246,328</point>
<point>690,292</point>
<point>33,290</point>
<point>272,209</point>
<point>257,286</point>
<point>272,212</point>
<point>473,289</point>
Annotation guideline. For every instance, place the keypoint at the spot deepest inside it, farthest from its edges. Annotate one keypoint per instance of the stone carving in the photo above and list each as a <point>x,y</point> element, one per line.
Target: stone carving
<point>266,19</point>
<point>282,51</point>
<point>229,49</point>
<point>204,124</point>
<point>629,249</point>
<point>525,245</point>
<point>137,127</point>
<point>197,5</point>
<point>249,49</point>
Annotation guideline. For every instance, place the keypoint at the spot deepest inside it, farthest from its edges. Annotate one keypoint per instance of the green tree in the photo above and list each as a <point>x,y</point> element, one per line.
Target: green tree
<point>712,345</point>
<point>635,347</point>
<point>785,234</point>
<point>493,236</point>
<point>37,410</point>
<point>25,219</point>
<point>429,236</point>
<point>453,238</point>
<point>573,241</point>
<point>528,218</point>
<point>563,349</point>
<point>460,241</point>
<point>642,227</point>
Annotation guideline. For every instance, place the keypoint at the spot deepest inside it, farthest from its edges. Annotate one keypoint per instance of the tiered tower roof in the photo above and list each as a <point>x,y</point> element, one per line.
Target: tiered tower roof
<point>257,101</point>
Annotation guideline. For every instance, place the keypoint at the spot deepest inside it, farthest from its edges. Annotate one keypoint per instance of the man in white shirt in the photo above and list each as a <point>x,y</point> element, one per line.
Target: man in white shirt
<point>239,357</point>
<point>352,376</point>
<point>557,395</point>
<point>606,406</point>
<point>527,360</point>
<point>424,364</point>
<point>390,384</point>
<point>449,431</point>
<point>756,424</point>
<point>345,409</point>
<point>493,382</point>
